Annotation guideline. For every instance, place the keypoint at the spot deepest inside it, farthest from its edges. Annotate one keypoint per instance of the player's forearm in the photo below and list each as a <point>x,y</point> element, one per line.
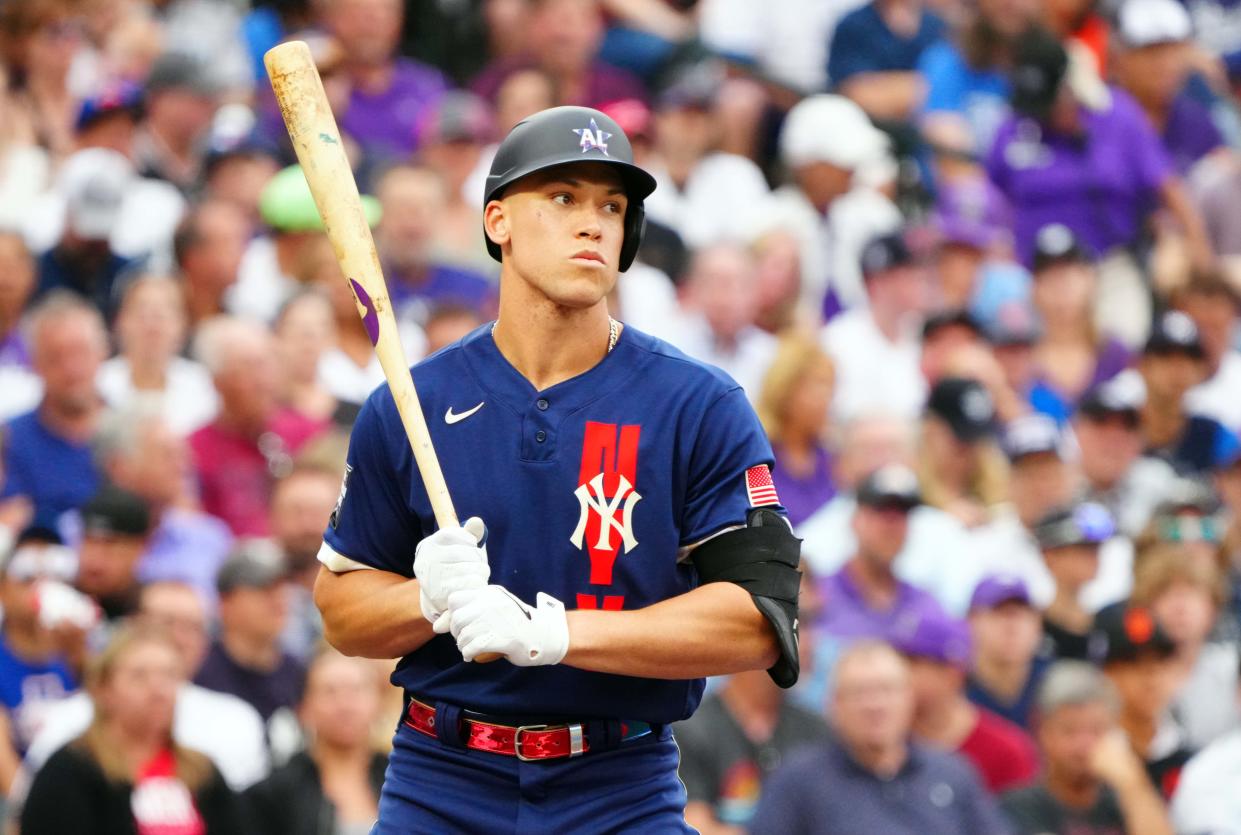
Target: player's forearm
<point>713,630</point>
<point>374,614</point>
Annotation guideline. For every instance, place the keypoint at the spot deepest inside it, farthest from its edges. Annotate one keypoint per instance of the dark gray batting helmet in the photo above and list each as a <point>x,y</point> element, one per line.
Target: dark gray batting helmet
<point>562,135</point>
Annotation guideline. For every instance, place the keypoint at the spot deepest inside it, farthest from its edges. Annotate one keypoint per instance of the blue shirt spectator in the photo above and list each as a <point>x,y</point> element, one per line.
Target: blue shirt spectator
<point>977,94</point>
<point>864,43</point>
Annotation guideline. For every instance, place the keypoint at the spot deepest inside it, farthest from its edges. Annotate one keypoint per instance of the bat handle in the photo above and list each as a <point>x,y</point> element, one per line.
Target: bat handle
<point>488,657</point>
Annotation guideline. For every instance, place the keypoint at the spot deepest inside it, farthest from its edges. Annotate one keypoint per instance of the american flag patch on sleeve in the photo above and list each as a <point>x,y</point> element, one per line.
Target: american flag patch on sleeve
<point>759,487</point>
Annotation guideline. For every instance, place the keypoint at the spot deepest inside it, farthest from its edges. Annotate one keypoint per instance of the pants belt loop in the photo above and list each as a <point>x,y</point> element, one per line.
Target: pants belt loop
<point>448,725</point>
<point>604,734</point>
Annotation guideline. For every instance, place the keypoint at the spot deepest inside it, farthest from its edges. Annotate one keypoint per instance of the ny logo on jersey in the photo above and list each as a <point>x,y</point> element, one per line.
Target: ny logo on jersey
<point>606,495</point>
<point>593,138</point>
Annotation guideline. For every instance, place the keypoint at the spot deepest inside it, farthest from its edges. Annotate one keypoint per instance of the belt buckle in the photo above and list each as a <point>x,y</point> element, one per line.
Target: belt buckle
<point>576,744</point>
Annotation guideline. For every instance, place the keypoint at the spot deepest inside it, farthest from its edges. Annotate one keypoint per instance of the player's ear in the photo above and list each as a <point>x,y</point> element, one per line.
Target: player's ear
<point>495,223</point>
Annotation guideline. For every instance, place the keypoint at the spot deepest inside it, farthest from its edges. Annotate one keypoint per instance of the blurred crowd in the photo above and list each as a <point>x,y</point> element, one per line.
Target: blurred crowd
<point>976,263</point>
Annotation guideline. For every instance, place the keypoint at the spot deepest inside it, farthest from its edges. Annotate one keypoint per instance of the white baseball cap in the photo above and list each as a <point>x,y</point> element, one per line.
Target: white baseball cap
<point>1149,22</point>
<point>94,182</point>
<point>831,129</point>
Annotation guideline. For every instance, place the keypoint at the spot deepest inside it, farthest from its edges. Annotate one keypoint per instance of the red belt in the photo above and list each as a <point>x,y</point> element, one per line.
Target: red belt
<point>525,742</point>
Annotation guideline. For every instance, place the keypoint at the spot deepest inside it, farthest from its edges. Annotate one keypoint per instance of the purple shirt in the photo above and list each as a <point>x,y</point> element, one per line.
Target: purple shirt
<point>444,285</point>
<point>13,349</point>
<point>1101,185</point>
<point>384,122</point>
<point>1189,134</point>
<point>187,547</point>
<point>846,614</point>
<point>604,83</point>
<point>802,496</point>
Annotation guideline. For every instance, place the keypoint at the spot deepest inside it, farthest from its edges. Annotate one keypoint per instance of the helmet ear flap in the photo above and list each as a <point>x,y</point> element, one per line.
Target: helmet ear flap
<point>635,225</point>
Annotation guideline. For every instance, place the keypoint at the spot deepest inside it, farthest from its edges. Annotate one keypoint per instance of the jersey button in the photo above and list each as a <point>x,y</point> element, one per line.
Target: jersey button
<point>542,404</point>
<point>540,436</point>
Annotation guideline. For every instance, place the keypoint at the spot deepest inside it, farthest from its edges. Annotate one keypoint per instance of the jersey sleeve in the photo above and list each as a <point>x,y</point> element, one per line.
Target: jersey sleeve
<point>372,525</point>
<point>729,470</point>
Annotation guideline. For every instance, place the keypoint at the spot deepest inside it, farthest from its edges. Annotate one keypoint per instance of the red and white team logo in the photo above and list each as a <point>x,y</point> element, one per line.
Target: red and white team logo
<point>607,496</point>
<point>759,488</point>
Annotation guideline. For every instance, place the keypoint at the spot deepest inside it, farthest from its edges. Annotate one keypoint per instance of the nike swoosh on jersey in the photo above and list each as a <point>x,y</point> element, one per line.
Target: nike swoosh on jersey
<point>450,418</point>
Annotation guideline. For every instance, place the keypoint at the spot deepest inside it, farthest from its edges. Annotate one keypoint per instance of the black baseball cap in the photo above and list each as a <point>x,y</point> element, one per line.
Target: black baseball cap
<point>957,316</point>
<point>1056,243</point>
<point>884,253</point>
<point>1126,632</point>
<point>965,406</point>
<point>1174,333</point>
<point>1040,64</point>
<point>254,563</point>
<point>893,485</point>
<point>116,512</point>
<point>1084,523</point>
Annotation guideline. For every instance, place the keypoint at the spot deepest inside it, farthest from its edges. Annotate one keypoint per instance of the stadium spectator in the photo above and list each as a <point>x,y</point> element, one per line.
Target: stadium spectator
<point>874,56</point>
<point>837,162</point>
<point>974,245</point>
<point>865,599</point>
<point>875,346</point>
<point>948,335</point>
<point>137,451</point>
<point>126,772</point>
<point>1214,304</point>
<point>109,119</point>
<point>246,659</point>
<point>208,246</point>
<point>721,302</point>
<point>252,440</point>
<point>1072,356</point>
<point>967,81</point>
<point>456,141</point>
<point>46,454</point>
<point>42,41</point>
<point>1069,538</point>
<point>301,505</point>
<point>1172,363</point>
<point>1107,429</point>
<point>848,784</point>
<point>563,39</point>
<point>334,784</point>
<point>793,405</point>
<point>151,334</point>
<point>116,525</point>
<point>704,193</point>
<point>1050,175</point>
<point>449,323</point>
<point>737,737</point>
<point>17,282</point>
<point>1154,64</point>
<point>961,469</point>
<point>1005,631</point>
<point>219,725</point>
<point>937,649</point>
<point>40,654</point>
<point>1092,781</point>
<point>304,328</point>
<point>1186,596</point>
<point>414,201</point>
<point>81,258</point>
<point>180,99</point>
<point>387,91</point>
<point>1137,657</point>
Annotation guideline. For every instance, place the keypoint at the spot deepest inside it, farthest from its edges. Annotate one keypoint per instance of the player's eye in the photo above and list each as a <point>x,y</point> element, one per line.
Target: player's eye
<point>614,208</point>
<point>563,198</point>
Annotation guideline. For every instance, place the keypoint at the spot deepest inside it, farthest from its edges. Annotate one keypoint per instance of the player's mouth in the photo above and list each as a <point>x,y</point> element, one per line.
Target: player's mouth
<point>589,256</point>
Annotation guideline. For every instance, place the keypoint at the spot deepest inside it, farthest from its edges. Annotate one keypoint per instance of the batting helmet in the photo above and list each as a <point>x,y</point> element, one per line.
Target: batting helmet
<point>562,135</point>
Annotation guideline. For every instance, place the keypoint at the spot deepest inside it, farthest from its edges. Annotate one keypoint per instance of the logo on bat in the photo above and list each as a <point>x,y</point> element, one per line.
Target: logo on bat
<point>370,319</point>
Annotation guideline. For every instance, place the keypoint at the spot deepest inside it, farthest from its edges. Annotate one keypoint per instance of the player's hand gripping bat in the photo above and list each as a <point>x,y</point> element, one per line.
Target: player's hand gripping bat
<point>312,127</point>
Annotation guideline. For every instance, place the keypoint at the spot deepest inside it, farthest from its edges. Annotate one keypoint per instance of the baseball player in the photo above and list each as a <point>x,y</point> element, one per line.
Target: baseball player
<point>625,538</point>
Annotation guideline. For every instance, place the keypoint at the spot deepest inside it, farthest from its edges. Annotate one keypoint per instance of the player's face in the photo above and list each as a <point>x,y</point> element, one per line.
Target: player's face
<point>562,231</point>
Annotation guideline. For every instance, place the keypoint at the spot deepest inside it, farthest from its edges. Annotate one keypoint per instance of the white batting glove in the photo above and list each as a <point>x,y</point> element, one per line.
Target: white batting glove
<point>58,604</point>
<point>449,561</point>
<point>494,620</point>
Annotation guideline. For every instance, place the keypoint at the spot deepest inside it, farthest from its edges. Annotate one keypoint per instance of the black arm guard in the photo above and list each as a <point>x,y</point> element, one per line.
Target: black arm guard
<point>761,558</point>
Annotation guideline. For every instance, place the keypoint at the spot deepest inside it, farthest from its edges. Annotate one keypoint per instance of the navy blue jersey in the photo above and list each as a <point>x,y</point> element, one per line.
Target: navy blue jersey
<point>592,490</point>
